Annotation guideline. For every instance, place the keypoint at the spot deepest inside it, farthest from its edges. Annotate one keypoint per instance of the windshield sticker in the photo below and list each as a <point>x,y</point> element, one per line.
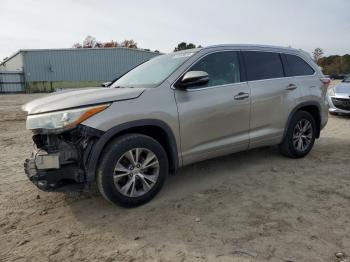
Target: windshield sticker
<point>182,55</point>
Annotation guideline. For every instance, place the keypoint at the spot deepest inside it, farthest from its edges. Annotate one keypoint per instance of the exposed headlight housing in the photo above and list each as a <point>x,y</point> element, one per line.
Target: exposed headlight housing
<point>63,119</point>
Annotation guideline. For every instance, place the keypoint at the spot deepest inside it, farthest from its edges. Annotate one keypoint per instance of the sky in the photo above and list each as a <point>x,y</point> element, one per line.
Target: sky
<point>161,25</point>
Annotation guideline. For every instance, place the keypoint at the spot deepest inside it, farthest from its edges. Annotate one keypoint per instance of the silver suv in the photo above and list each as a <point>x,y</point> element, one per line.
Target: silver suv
<point>174,110</point>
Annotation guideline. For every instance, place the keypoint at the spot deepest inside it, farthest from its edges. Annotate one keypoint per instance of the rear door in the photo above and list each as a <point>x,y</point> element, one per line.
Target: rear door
<point>272,96</point>
<point>309,84</point>
<point>214,118</point>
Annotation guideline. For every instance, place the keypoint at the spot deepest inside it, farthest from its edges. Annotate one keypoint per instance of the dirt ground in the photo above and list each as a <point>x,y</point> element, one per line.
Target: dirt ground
<point>250,206</point>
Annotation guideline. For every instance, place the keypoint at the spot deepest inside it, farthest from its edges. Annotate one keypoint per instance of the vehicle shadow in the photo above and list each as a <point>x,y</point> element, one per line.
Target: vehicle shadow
<point>340,116</point>
<point>194,179</point>
<point>188,180</point>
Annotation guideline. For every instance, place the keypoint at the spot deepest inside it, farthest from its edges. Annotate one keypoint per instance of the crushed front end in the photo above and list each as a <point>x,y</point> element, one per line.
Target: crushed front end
<point>62,145</point>
<point>59,160</point>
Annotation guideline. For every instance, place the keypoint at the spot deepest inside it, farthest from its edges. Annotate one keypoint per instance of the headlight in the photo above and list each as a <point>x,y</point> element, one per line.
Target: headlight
<point>63,119</point>
<point>331,92</point>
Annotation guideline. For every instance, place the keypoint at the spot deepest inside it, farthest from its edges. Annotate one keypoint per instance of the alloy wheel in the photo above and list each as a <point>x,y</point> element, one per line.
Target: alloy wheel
<point>302,135</point>
<point>136,172</point>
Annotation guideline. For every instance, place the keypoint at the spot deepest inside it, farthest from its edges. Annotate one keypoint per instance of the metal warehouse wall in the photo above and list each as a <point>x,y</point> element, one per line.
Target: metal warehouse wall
<point>81,64</point>
<point>11,82</point>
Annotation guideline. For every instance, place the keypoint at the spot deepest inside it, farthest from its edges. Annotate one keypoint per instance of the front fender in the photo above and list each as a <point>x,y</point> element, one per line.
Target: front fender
<point>98,147</point>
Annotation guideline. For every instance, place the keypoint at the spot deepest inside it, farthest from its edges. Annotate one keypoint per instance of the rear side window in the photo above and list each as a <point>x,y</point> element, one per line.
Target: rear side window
<point>298,67</point>
<point>263,65</point>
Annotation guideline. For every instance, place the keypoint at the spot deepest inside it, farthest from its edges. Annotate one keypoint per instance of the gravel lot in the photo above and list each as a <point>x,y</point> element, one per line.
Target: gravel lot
<point>250,206</point>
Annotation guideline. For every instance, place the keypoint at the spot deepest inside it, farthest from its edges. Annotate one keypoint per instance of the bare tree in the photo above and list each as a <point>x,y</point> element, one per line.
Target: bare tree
<point>128,44</point>
<point>77,45</point>
<point>317,54</point>
<point>99,45</point>
<point>89,42</point>
<point>110,44</point>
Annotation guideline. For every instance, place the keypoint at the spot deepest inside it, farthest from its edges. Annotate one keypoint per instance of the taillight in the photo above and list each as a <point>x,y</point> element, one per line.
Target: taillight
<point>325,80</point>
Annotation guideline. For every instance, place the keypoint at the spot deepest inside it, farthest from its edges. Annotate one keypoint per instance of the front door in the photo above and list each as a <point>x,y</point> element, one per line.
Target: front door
<point>214,118</point>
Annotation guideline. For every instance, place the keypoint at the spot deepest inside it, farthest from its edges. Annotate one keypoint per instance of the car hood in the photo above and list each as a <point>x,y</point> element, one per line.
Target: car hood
<point>82,97</point>
<point>342,88</point>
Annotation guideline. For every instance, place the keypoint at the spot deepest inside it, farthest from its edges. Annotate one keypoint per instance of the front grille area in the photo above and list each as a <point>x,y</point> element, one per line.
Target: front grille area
<point>341,103</point>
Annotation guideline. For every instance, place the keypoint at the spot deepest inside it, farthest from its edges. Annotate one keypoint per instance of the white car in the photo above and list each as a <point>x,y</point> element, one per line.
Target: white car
<point>339,97</point>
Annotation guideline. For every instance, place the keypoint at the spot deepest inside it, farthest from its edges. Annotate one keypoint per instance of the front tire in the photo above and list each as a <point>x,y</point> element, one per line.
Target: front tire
<point>132,170</point>
<point>300,136</point>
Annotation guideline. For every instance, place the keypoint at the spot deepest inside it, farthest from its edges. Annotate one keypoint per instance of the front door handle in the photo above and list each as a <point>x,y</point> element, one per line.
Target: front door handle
<point>241,96</point>
<point>291,87</point>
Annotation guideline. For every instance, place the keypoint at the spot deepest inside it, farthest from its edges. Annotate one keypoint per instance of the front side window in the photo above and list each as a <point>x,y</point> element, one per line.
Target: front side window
<point>153,72</point>
<point>222,68</point>
<point>263,65</point>
<point>298,67</point>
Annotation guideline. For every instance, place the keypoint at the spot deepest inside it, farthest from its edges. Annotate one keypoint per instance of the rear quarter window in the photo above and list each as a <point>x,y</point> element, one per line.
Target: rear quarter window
<point>297,66</point>
<point>262,65</point>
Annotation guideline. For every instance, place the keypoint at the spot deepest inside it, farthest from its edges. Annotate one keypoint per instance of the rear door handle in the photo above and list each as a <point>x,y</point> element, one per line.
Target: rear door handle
<point>241,96</point>
<point>291,87</point>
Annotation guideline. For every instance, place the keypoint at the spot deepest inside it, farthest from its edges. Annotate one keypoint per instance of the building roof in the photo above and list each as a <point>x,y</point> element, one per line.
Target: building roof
<point>69,49</point>
<point>9,58</point>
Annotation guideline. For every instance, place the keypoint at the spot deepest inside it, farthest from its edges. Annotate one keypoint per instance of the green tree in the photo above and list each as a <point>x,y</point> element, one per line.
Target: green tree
<point>346,64</point>
<point>335,64</point>
<point>184,46</point>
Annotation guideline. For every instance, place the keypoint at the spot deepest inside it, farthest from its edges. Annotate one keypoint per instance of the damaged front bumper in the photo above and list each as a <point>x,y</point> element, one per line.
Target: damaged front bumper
<point>67,178</point>
<point>59,161</point>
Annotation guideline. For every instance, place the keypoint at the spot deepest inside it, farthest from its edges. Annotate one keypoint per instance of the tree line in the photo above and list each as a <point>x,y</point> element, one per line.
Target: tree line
<point>332,65</point>
<point>91,42</point>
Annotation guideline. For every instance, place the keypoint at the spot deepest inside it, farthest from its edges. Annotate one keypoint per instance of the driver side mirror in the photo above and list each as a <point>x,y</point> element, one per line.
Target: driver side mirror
<point>194,78</point>
<point>106,84</point>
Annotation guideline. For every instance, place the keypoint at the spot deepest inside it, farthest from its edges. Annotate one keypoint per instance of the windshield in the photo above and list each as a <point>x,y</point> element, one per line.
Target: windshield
<point>347,79</point>
<point>153,72</point>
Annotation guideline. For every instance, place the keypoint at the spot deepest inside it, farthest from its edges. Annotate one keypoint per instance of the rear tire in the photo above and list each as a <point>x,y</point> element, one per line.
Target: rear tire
<point>132,170</point>
<point>300,136</point>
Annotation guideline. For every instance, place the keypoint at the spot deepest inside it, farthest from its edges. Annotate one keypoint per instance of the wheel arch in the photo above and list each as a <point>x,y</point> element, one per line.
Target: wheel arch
<point>313,108</point>
<point>154,128</point>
